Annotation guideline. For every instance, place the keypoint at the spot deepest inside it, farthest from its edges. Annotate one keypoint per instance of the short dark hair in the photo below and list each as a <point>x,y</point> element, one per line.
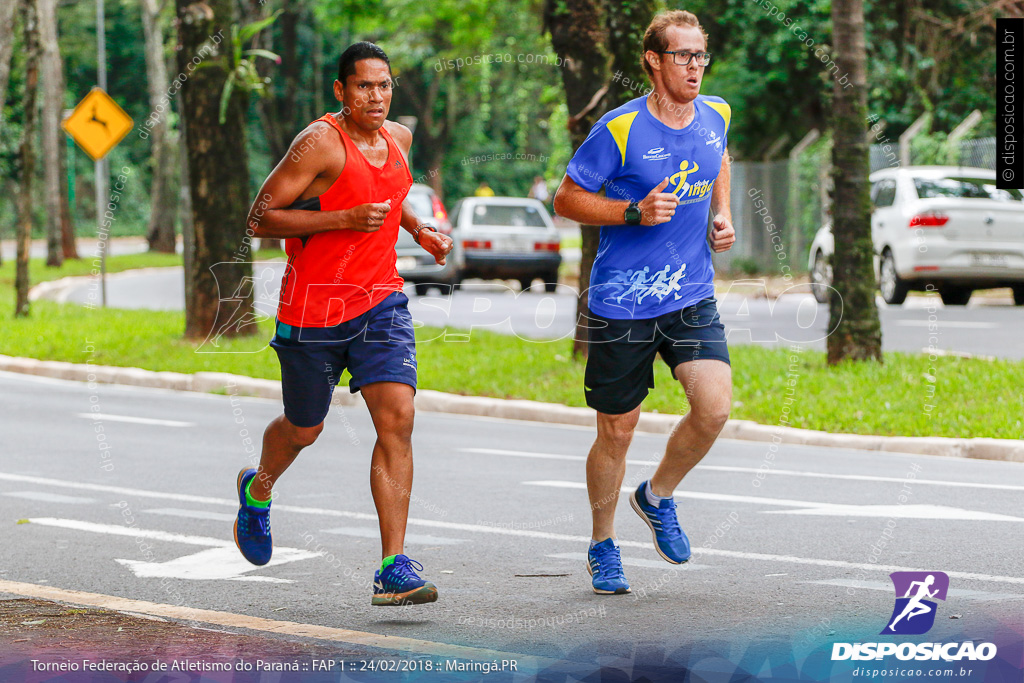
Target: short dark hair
<point>357,52</point>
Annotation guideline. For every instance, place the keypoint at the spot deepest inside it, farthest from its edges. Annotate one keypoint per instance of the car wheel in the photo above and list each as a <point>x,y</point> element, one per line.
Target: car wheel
<point>894,289</point>
<point>422,288</point>
<point>955,296</point>
<point>1018,295</point>
<point>821,279</point>
<point>526,283</point>
<point>551,282</point>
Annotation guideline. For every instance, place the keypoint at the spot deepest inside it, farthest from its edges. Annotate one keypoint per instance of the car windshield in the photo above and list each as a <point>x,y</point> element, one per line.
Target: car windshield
<point>513,216</point>
<point>964,188</point>
<point>421,204</point>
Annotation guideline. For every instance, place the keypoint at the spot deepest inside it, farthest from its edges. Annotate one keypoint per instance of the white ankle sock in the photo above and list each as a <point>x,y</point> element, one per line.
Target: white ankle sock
<point>651,498</point>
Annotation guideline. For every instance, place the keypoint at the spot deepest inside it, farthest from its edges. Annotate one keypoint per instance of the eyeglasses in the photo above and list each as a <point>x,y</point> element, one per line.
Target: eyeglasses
<point>683,58</point>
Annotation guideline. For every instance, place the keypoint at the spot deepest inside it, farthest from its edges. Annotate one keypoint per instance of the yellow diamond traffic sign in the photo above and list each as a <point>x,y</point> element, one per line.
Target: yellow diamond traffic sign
<point>97,124</point>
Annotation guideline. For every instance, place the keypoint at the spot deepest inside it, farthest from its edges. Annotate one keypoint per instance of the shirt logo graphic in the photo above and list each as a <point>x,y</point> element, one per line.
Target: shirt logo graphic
<point>657,154</point>
<point>913,614</point>
<point>714,139</point>
<point>682,187</point>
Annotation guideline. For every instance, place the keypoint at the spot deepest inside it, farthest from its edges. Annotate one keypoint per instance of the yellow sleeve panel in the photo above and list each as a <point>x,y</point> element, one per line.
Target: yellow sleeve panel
<point>723,110</point>
<point>619,128</point>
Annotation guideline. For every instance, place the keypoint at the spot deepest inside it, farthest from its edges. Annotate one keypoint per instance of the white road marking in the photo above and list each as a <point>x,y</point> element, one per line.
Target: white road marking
<point>887,588</point>
<point>215,564</point>
<point>192,514</point>
<point>754,470</point>
<point>946,323</point>
<point>135,420</point>
<point>808,507</point>
<point>374,533</point>
<point>223,561</point>
<point>48,497</point>
<point>970,576</point>
<point>637,562</point>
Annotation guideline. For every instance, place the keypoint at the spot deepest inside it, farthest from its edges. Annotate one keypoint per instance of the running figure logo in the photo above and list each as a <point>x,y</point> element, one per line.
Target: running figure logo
<point>914,612</point>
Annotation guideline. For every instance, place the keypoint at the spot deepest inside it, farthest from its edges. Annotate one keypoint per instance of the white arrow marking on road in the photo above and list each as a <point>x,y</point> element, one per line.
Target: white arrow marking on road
<point>806,507</point>
<point>135,420</point>
<point>753,470</point>
<point>215,564</point>
<point>223,561</point>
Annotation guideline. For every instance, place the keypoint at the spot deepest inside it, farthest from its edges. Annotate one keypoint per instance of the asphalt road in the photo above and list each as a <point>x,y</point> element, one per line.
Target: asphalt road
<point>799,555</point>
<point>981,329</point>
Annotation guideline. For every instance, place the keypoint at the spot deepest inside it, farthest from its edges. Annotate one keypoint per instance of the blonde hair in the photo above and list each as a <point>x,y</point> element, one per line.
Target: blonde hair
<point>654,36</point>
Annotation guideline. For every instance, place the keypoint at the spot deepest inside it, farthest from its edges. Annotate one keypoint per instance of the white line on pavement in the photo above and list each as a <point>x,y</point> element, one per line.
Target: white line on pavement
<point>753,470</point>
<point>809,507</point>
<point>135,420</point>
<point>509,532</point>
<point>636,562</point>
<point>48,497</point>
<point>946,323</point>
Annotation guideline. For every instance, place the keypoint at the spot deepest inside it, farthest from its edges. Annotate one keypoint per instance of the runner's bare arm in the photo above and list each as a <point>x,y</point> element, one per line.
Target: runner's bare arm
<point>590,208</point>
<point>436,244</point>
<point>720,195</point>
<point>308,157</point>
<point>724,235</point>
<point>403,138</point>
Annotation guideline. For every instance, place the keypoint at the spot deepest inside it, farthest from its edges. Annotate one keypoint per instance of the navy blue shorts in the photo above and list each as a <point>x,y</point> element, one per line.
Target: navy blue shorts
<point>621,353</point>
<point>377,346</point>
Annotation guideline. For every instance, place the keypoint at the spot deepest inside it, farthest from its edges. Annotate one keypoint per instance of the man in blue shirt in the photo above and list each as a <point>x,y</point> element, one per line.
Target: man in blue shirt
<point>663,162</point>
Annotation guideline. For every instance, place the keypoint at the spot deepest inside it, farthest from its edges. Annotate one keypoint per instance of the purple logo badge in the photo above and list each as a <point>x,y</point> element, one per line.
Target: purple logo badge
<point>914,612</point>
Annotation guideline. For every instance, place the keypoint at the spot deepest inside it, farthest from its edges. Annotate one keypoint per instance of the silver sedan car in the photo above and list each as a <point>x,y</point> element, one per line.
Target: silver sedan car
<point>939,228</point>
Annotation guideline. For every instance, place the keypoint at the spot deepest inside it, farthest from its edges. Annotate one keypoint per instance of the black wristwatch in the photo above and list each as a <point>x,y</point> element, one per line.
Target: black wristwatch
<point>633,213</point>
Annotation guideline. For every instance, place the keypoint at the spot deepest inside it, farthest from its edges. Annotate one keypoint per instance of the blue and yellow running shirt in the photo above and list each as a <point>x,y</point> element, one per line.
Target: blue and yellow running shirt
<point>647,271</point>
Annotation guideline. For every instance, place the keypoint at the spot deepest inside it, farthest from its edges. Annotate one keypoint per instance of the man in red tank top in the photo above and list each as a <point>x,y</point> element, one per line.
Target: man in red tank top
<point>337,199</point>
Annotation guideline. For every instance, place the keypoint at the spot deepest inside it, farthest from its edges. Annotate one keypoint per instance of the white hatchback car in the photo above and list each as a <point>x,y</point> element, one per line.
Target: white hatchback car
<point>945,226</point>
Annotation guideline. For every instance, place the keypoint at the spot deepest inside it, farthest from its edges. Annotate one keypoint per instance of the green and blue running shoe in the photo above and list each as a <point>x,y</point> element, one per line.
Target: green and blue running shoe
<point>669,540</point>
<point>397,583</point>
<point>605,566</point>
<point>252,526</point>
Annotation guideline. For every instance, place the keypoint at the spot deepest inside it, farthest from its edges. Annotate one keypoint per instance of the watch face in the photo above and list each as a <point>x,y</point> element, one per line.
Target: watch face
<point>632,213</point>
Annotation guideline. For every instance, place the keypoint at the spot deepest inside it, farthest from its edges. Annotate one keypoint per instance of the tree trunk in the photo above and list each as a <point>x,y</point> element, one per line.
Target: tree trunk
<point>53,105</point>
<point>67,224</point>
<point>162,192</point>
<point>218,177</point>
<point>30,26</point>
<point>854,316</point>
<point>7,29</point>
<point>578,38</point>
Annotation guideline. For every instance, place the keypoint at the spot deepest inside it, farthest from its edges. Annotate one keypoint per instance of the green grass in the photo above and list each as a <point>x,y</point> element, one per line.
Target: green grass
<point>969,397</point>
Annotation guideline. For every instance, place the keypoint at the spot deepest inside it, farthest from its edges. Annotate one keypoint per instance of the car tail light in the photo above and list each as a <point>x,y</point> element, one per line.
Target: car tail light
<point>929,220</point>
<point>440,215</point>
<point>546,246</point>
<point>476,244</point>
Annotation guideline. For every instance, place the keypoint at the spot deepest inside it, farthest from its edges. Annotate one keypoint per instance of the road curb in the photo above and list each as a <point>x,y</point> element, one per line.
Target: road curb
<point>1007,450</point>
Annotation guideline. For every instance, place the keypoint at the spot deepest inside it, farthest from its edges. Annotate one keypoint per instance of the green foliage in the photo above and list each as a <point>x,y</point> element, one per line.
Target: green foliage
<point>243,75</point>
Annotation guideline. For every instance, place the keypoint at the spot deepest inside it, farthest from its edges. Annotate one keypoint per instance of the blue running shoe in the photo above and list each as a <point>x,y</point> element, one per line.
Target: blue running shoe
<point>252,526</point>
<point>605,566</point>
<point>669,540</point>
<point>399,584</point>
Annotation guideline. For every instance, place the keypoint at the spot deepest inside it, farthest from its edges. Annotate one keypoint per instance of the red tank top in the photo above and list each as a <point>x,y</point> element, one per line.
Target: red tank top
<point>335,276</point>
